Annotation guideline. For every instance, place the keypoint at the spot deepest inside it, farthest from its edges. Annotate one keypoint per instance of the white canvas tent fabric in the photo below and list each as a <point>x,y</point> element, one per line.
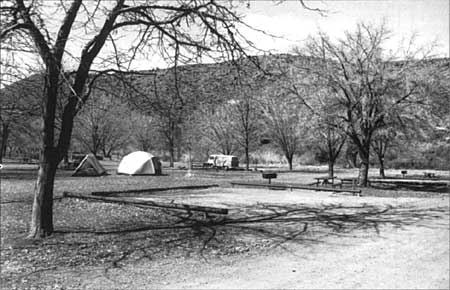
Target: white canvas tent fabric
<point>89,166</point>
<point>138,163</point>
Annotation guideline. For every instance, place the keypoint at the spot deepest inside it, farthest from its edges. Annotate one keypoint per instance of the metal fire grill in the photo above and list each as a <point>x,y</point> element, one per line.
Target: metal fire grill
<point>269,175</point>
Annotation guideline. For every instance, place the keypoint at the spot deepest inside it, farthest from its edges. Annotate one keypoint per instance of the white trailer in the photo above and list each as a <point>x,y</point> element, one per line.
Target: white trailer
<point>222,162</point>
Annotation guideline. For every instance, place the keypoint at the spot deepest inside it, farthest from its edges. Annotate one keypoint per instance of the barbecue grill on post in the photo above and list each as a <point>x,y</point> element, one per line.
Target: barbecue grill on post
<point>269,175</point>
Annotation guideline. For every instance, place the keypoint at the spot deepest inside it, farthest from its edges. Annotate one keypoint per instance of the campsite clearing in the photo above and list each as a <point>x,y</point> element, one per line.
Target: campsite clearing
<point>269,239</point>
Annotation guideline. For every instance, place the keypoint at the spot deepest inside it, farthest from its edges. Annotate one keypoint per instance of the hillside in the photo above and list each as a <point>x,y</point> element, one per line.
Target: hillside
<point>199,85</point>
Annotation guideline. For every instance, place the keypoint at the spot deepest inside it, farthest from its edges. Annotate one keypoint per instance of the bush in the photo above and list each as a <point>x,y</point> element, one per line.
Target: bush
<point>307,158</point>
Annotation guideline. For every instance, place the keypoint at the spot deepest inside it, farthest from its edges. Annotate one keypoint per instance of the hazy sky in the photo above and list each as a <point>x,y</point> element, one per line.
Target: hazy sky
<point>428,19</point>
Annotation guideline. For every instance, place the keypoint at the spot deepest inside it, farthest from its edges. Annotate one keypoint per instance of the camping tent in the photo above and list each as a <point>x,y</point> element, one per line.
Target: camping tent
<point>138,163</point>
<point>89,166</point>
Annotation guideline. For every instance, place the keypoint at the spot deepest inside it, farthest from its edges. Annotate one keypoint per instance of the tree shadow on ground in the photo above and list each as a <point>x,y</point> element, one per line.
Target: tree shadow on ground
<point>247,228</point>
<point>273,224</point>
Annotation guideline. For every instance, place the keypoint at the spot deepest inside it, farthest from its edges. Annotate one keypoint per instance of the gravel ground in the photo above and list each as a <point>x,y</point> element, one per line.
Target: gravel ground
<point>270,238</point>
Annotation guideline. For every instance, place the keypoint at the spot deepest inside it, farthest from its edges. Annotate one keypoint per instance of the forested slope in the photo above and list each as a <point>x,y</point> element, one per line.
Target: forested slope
<point>167,110</point>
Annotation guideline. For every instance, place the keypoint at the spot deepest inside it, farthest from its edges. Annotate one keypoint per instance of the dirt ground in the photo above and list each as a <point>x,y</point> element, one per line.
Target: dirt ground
<point>405,246</point>
<point>271,239</point>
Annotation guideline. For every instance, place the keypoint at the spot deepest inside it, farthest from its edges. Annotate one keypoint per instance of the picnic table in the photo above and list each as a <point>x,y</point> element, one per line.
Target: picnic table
<point>325,180</point>
<point>429,175</point>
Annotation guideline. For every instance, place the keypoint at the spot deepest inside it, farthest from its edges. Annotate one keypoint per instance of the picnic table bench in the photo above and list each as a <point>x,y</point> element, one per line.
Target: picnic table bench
<point>353,181</point>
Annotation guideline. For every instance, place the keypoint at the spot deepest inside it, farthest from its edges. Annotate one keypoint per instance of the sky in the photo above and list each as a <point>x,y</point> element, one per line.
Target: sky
<point>427,19</point>
<point>292,24</point>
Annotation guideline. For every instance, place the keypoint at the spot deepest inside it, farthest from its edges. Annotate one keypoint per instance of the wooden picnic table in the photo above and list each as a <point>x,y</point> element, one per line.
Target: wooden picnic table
<point>324,180</point>
<point>429,175</point>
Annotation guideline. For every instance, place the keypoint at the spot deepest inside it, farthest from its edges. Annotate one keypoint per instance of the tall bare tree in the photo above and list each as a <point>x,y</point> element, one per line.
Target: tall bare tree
<point>285,123</point>
<point>246,112</point>
<point>368,84</point>
<point>57,29</point>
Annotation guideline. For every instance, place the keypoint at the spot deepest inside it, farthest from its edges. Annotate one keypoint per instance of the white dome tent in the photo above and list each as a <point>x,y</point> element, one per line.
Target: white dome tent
<point>139,163</point>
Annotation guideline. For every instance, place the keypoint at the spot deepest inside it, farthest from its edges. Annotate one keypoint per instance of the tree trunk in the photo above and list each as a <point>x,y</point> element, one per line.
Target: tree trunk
<point>66,160</point>
<point>171,155</point>
<point>42,211</point>
<point>5,134</point>
<point>353,159</point>
<point>364,168</point>
<point>289,159</point>
<point>330,168</point>
<point>247,159</point>
<point>179,150</point>
<point>381,160</point>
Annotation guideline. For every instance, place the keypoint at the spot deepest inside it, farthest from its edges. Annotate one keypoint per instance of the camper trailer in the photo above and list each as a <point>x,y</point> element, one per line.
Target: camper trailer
<point>222,162</point>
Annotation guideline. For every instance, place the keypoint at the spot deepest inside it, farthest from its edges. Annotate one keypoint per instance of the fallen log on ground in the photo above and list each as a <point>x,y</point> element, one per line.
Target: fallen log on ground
<point>289,186</point>
<point>105,193</point>
<point>129,200</point>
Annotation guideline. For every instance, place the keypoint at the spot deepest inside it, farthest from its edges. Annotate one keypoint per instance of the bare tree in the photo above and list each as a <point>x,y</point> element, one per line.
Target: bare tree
<point>330,142</point>
<point>381,142</point>
<point>215,126</point>
<point>102,124</point>
<point>165,98</point>
<point>144,131</point>
<point>246,116</point>
<point>368,84</point>
<point>193,29</point>
<point>247,128</point>
<point>285,123</point>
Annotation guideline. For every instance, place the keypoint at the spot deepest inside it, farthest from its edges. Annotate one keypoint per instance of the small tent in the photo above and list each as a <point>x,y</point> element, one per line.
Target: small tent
<point>89,166</point>
<point>139,163</point>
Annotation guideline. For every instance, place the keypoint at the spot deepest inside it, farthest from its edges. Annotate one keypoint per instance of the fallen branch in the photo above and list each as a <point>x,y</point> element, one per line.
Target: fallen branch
<point>128,200</point>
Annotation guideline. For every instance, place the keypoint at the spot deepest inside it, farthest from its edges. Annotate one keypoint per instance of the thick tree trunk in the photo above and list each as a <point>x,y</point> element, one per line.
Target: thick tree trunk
<point>289,160</point>
<point>330,168</point>
<point>5,135</point>
<point>42,212</point>
<point>363,169</point>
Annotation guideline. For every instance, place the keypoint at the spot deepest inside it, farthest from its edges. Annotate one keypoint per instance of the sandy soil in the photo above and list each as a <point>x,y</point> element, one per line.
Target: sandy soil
<point>414,255</point>
<point>401,259</point>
